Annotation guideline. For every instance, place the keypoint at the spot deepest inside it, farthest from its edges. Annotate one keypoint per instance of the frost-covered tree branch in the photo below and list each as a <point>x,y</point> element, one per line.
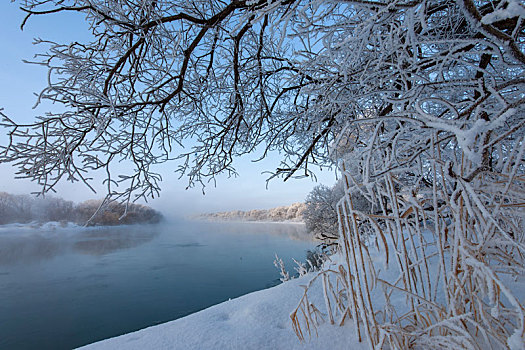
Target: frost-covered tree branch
<point>421,101</point>
<point>221,75</point>
<point>434,138</point>
<point>234,77</point>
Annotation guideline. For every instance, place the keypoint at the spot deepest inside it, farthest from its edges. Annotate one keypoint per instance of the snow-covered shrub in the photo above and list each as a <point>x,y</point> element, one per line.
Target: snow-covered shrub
<point>101,212</point>
<point>438,142</point>
<point>320,215</point>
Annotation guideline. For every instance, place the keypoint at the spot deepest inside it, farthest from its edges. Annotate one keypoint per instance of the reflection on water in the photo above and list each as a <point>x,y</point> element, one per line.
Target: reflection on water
<point>28,249</point>
<point>188,245</point>
<point>18,246</point>
<point>108,240</point>
<point>65,287</point>
<point>295,231</point>
<point>23,247</point>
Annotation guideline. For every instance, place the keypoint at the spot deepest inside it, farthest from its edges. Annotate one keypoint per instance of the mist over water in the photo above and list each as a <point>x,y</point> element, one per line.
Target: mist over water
<point>66,287</point>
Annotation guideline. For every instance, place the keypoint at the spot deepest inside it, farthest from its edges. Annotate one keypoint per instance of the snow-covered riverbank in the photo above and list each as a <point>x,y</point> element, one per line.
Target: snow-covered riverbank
<point>259,320</point>
<point>35,225</point>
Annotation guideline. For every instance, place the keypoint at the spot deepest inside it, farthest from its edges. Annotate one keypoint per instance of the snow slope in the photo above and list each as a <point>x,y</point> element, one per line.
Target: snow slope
<point>259,320</point>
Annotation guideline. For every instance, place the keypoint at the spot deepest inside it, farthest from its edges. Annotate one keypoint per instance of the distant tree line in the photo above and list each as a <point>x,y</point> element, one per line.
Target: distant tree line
<point>293,212</point>
<point>318,212</point>
<point>25,208</point>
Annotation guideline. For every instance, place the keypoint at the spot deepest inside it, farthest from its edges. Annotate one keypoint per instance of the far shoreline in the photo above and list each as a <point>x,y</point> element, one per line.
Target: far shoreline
<point>68,225</point>
<point>240,221</point>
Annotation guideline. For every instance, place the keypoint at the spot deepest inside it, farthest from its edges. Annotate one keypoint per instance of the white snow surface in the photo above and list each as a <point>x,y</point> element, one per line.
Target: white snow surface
<point>259,320</point>
<point>31,226</point>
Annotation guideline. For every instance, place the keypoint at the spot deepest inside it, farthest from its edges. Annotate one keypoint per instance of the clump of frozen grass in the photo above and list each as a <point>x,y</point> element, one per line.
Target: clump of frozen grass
<point>314,261</point>
<point>300,268</point>
<point>443,280</point>
<point>441,156</point>
<point>279,264</point>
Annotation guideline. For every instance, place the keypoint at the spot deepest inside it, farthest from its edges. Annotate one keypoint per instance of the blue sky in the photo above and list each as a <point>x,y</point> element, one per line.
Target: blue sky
<point>20,81</point>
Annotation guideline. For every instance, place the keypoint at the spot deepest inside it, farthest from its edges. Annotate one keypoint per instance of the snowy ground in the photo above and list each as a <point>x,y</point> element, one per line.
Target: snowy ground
<point>31,226</point>
<point>259,320</point>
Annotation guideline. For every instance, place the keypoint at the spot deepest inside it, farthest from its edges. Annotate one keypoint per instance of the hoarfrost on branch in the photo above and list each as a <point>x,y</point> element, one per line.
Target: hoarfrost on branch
<point>420,102</point>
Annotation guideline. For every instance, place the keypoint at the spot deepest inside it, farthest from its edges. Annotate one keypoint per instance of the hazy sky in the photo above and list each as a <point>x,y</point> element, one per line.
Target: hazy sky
<point>20,81</point>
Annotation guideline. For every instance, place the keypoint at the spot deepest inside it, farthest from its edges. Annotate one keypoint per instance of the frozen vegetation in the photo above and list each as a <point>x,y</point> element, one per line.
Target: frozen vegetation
<point>291,213</point>
<point>29,209</point>
<point>419,104</point>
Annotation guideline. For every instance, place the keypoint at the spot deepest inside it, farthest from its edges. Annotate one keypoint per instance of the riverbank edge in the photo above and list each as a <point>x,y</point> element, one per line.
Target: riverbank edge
<point>257,320</point>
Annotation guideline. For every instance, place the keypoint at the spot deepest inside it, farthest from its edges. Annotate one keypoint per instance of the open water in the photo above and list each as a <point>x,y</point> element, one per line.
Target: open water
<point>66,287</point>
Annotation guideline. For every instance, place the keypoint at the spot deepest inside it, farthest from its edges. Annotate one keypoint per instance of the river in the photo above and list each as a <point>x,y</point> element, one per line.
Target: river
<point>61,288</point>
